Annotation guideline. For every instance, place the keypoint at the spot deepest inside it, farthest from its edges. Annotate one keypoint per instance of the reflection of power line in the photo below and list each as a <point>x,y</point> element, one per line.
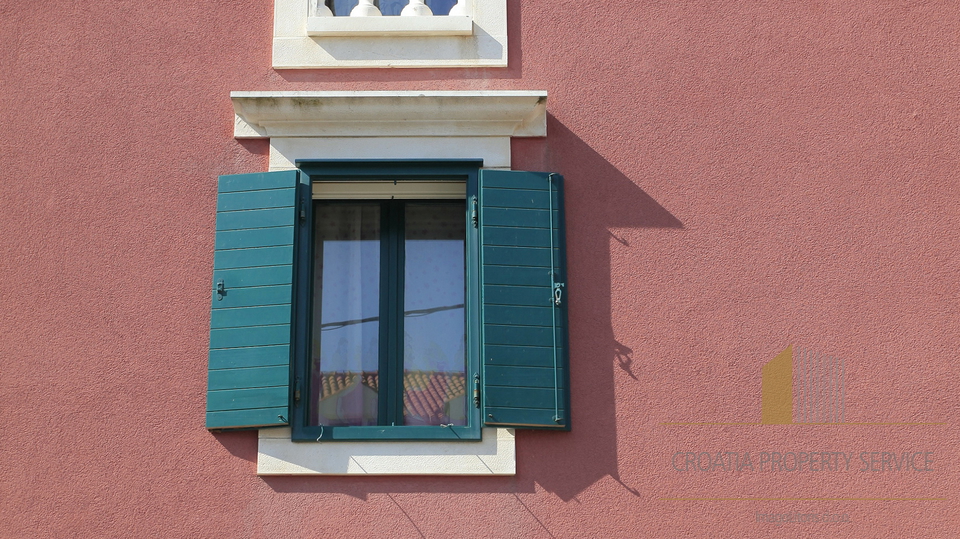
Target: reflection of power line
<point>406,314</point>
<point>423,312</point>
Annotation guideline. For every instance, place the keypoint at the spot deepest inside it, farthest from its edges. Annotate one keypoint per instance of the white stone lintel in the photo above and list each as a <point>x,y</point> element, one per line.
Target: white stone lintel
<point>510,113</point>
<point>285,151</point>
<point>389,26</point>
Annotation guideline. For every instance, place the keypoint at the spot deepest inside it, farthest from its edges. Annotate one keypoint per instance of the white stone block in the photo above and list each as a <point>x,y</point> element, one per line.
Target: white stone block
<point>495,454</point>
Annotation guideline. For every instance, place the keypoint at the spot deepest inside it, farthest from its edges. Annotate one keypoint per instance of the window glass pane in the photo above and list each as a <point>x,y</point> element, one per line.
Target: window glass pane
<point>441,7</point>
<point>434,337</point>
<point>341,8</point>
<point>346,302</point>
<point>391,7</point>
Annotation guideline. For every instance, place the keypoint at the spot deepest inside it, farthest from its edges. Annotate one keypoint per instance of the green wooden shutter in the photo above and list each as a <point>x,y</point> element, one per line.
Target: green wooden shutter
<point>250,322</point>
<point>523,300</point>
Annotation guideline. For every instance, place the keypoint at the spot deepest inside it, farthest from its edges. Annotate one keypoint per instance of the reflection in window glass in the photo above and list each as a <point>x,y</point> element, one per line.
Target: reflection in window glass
<point>346,302</point>
<point>434,336</point>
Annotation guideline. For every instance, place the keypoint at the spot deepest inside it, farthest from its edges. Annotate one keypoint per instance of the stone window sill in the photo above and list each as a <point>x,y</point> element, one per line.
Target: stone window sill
<point>389,26</point>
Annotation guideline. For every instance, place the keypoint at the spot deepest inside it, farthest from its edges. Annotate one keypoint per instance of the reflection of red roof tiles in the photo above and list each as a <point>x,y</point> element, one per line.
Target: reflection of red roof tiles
<point>426,392</point>
<point>335,382</point>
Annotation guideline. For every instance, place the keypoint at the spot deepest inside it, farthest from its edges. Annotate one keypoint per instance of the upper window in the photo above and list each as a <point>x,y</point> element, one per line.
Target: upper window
<point>351,304</point>
<point>389,33</point>
<point>374,8</point>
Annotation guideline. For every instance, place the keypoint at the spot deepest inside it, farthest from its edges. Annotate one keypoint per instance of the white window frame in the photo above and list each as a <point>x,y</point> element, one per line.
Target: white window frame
<point>389,125</point>
<point>302,41</point>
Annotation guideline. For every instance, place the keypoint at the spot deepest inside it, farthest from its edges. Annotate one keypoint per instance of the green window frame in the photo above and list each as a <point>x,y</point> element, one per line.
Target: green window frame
<point>515,300</point>
<point>391,357</point>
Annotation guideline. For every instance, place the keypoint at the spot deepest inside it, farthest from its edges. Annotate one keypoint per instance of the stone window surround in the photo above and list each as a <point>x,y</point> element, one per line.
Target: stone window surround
<point>305,42</point>
<point>389,125</point>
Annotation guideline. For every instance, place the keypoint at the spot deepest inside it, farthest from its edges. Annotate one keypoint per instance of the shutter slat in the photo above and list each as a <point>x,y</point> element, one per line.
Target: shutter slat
<point>517,256</point>
<point>253,200</point>
<point>518,335</point>
<point>517,236</point>
<point>521,315</point>
<point>519,396</point>
<point>528,356</point>
<point>534,296</point>
<point>256,417</point>
<point>251,316</point>
<point>515,275</point>
<point>516,198</point>
<point>251,297</point>
<point>258,237</point>
<point>517,217</point>
<point>234,220</point>
<point>277,375</point>
<point>235,358</point>
<point>259,181</point>
<point>524,336</point>
<point>517,418</point>
<point>249,336</point>
<point>260,276</point>
<point>247,398</point>
<point>251,258</point>
<point>515,179</point>
<point>506,375</point>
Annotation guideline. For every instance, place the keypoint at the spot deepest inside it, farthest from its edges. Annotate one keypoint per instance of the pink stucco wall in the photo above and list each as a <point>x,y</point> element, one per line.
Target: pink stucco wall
<point>740,177</point>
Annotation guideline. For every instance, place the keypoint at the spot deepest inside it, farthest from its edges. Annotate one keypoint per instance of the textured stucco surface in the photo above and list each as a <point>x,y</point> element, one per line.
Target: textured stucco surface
<point>740,177</point>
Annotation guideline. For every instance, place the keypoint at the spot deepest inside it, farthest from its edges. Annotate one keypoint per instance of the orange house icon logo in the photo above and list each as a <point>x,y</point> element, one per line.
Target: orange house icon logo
<point>803,387</point>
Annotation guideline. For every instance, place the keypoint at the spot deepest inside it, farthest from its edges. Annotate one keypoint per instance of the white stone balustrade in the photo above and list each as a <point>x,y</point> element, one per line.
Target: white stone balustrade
<point>366,19</point>
<point>314,34</point>
<point>366,8</point>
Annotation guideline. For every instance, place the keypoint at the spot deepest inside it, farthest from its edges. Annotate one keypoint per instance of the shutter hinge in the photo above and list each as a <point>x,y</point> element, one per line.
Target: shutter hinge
<point>474,217</point>
<point>557,293</point>
<point>476,390</point>
<point>221,290</point>
<point>296,391</point>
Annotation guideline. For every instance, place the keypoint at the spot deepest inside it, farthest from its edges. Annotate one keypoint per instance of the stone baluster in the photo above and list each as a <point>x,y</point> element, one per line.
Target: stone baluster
<point>416,8</point>
<point>365,9</point>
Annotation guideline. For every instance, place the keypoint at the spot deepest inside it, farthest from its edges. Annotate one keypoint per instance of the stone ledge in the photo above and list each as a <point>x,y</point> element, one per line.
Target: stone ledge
<point>495,454</point>
<point>389,26</point>
<point>390,114</point>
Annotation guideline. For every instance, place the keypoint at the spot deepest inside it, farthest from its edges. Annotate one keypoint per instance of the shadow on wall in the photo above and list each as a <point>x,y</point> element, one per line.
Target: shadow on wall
<point>598,197</point>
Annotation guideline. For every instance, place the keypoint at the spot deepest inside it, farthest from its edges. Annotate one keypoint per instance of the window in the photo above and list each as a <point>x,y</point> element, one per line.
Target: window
<point>368,127</point>
<point>372,283</point>
<point>316,34</point>
<point>342,8</point>
<point>389,355</point>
